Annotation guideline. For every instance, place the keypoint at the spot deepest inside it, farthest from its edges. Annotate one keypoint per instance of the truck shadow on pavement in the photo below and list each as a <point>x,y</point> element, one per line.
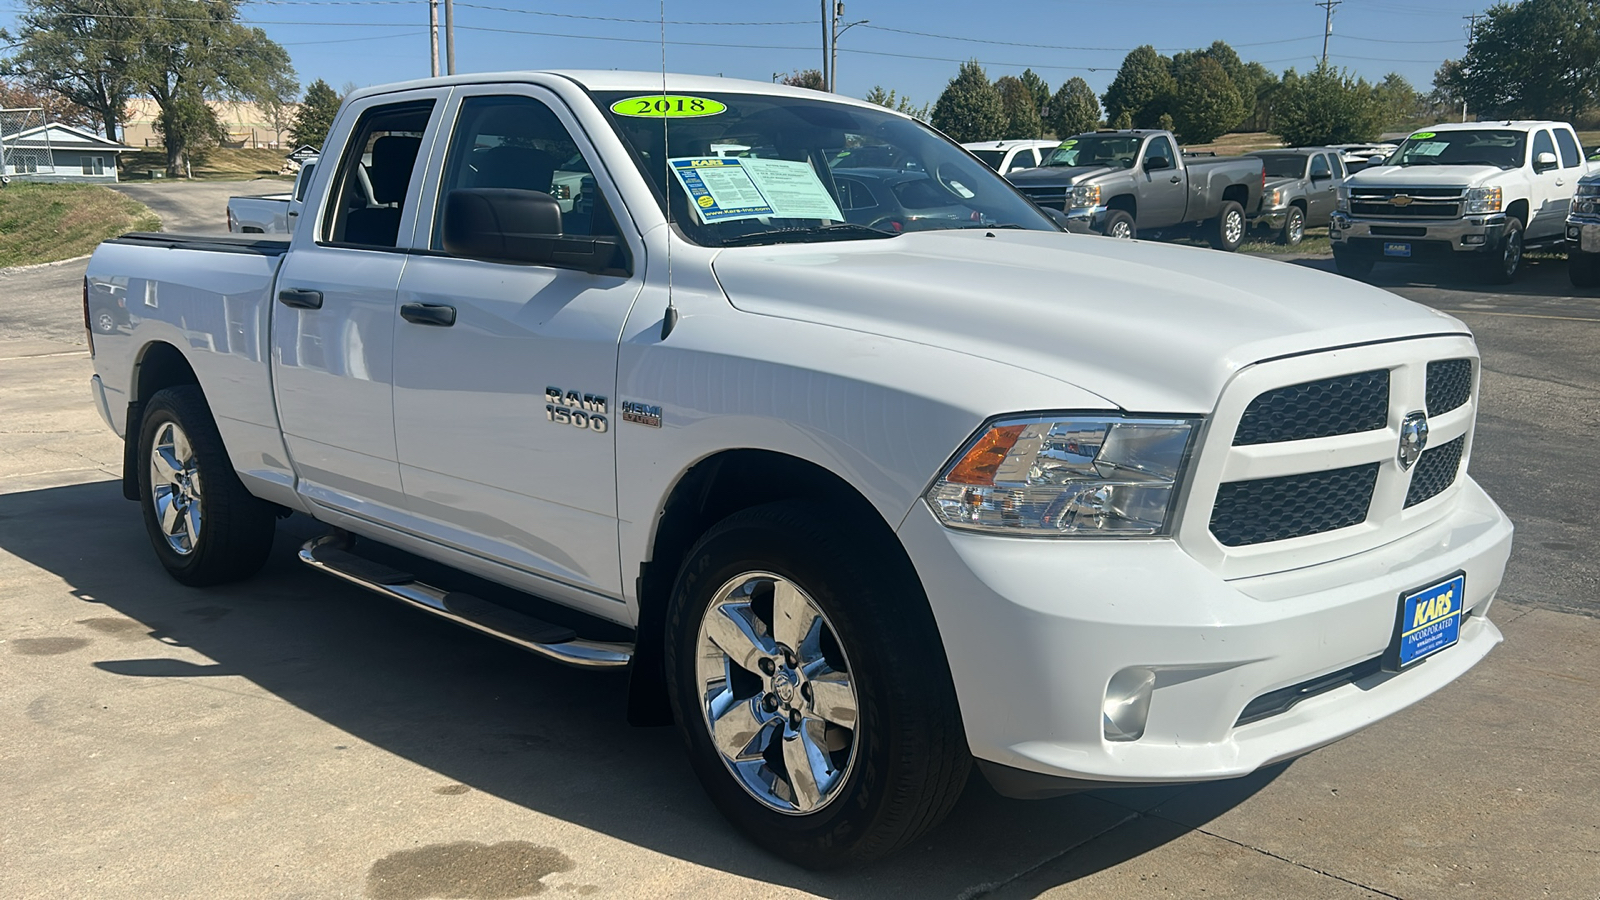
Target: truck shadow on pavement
<point>1542,279</point>
<point>493,719</point>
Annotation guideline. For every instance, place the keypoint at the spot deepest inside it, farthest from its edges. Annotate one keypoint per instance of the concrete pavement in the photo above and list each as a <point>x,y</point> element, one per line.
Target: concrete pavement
<point>294,736</point>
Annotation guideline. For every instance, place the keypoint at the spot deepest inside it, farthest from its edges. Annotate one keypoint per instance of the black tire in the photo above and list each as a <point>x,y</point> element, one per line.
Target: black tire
<point>1583,269</point>
<point>1294,227</point>
<point>1503,264</point>
<point>234,530</point>
<point>908,758</point>
<point>1352,265</point>
<point>1226,231</point>
<point>1119,224</point>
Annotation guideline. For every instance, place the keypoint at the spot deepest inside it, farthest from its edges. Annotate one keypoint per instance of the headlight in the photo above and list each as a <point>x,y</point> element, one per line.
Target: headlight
<point>1277,197</point>
<point>1342,198</point>
<point>1084,196</point>
<point>1589,189</point>
<point>1587,200</point>
<point>1483,200</point>
<point>1083,475</point>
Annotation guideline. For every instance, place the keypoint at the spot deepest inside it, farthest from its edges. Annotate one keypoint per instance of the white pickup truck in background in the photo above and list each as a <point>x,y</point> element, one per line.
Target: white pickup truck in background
<point>273,213</point>
<point>859,499</point>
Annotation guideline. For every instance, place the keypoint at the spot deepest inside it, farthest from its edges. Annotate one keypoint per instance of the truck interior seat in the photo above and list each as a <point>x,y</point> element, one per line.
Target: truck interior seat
<point>393,158</point>
<point>522,168</point>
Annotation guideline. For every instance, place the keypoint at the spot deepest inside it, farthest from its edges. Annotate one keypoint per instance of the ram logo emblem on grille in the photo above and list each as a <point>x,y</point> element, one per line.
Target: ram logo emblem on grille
<point>1413,438</point>
<point>1400,200</point>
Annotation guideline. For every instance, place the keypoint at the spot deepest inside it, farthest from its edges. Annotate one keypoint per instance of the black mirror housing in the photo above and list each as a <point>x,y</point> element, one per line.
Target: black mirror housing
<point>1157,163</point>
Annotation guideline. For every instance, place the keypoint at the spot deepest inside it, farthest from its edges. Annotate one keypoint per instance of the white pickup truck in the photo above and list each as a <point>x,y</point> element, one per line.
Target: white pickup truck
<point>1480,193</point>
<point>273,213</point>
<point>858,503</point>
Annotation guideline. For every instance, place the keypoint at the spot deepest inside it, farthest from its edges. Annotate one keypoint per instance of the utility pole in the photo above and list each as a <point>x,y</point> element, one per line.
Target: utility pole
<point>827,48</point>
<point>1472,32</point>
<point>1327,29</point>
<point>833,62</point>
<point>433,35</point>
<point>450,36</point>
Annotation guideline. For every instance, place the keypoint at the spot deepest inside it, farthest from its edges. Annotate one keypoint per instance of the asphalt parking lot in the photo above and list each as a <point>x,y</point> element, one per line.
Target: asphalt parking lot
<point>297,737</point>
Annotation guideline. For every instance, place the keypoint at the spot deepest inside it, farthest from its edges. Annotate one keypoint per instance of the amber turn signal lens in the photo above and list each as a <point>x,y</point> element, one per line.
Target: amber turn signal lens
<point>985,457</point>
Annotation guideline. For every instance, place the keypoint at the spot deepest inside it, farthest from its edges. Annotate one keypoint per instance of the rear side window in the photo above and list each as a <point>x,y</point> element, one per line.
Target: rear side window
<point>1571,153</point>
<point>1541,144</point>
<point>1023,160</point>
<point>1337,163</point>
<point>1319,167</point>
<point>305,179</point>
<point>370,191</point>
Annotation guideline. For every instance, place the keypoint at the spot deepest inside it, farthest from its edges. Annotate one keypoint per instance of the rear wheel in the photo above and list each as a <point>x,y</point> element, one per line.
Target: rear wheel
<point>1504,264</point>
<point>1352,265</point>
<point>809,682</point>
<point>1294,227</point>
<point>1583,269</point>
<point>1119,224</point>
<point>205,527</point>
<point>1227,229</point>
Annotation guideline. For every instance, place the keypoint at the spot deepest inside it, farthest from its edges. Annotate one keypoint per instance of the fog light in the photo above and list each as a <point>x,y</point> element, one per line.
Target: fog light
<point>1473,239</point>
<point>1127,703</point>
<point>1574,233</point>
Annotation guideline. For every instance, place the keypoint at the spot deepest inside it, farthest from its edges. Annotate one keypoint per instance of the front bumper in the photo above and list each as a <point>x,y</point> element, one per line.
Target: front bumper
<point>1429,238</point>
<point>1583,235</point>
<point>1086,219</point>
<point>1034,630</point>
<point>1272,217</point>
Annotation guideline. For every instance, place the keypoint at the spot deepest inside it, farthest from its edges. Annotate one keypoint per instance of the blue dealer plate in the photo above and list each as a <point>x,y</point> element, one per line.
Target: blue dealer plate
<point>1397,248</point>
<point>1430,619</point>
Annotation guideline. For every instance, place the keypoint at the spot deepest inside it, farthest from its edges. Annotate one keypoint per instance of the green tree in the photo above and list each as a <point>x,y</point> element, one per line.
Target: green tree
<point>78,50</point>
<point>806,78</point>
<point>1260,85</point>
<point>1143,87</point>
<point>1074,109</point>
<point>1165,123</point>
<point>315,115</point>
<point>1399,101</point>
<point>1207,102</point>
<point>1022,114</point>
<point>1537,58</point>
<point>970,109</point>
<point>1040,91</point>
<point>1124,120</point>
<point>1326,106</point>
<point>19,95</point>
<point>899,104</point>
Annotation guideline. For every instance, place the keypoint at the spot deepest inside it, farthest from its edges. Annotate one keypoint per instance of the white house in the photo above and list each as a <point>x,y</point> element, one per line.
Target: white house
<point>56,152</point>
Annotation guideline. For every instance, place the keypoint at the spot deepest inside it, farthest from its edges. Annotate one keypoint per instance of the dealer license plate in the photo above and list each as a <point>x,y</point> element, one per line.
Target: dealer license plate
<point>1397,248</point>
<point>1589,239</point>
<point>1430,621</point>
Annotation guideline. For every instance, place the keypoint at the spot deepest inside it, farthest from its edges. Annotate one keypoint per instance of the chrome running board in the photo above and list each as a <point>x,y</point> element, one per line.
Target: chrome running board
<point>329,554</point>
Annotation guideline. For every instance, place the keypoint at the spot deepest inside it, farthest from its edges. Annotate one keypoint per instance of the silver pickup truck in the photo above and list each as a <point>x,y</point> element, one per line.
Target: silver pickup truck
<point>273,213</point>
<point>1120,183</point>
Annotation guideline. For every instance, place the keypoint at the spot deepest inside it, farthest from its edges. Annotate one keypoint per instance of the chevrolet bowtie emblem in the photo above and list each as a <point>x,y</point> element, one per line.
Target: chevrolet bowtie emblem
<point>1400,200</point>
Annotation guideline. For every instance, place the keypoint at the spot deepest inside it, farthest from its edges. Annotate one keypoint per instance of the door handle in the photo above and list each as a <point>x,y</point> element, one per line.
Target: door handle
<point>1174,179</point>
<point>428,314</point>
<point>300,299</point>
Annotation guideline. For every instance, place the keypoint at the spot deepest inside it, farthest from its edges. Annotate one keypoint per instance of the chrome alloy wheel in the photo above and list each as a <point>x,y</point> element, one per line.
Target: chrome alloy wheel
<point>1233,227</point>
<point>175,487</point>
<point>1511,253</point>
<point>1122,229</point>
<point>776,693</point>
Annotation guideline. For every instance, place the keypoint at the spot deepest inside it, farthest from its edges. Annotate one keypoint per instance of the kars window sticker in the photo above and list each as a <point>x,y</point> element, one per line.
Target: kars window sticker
<point>724,189</point>
<point>1428,148</point>
<point>668,106</point>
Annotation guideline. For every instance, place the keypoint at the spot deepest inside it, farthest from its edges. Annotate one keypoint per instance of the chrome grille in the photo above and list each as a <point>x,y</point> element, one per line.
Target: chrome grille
<point>1449,384</point>
<point>1343,405</point>
<point>1415,203</point>
<point>1049,197</point>
<point>1276,509</point>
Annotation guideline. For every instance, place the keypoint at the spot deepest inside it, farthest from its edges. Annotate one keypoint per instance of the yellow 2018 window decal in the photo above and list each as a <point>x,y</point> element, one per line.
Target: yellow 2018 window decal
<point>668,106</point>
<point>1422,135</point>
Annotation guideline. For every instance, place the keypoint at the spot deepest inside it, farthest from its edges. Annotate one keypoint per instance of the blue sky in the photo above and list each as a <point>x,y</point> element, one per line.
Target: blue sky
<point>366,42</point>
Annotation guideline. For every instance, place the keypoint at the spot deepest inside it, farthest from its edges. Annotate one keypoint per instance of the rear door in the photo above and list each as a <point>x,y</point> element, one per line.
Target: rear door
<point>333,321</point>
<point>506,417</point>
<point>1160,189</point>
<point>1552,189</point>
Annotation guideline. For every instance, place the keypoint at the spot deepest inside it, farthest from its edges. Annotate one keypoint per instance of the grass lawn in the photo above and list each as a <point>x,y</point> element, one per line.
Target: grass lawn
<point>221,164</point>
<point>1235,144</point>
<point>46,222</point>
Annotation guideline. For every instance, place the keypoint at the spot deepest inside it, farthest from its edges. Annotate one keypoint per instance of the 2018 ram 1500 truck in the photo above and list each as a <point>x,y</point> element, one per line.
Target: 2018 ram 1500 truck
<point>1481,192</point>
<point>857,505</point>
<point>1120,183</point>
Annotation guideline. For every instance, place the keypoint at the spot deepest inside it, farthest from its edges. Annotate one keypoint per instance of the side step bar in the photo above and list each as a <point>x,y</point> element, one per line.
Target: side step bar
<point>559,643</point>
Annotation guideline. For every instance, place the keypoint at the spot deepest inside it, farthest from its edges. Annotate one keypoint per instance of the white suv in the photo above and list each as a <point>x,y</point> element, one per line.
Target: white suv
<point>1490,190</point>
<point>1009,156</point>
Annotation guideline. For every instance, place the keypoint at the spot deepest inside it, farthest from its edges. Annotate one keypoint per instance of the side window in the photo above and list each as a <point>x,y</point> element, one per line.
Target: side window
<point>1023,160</point>
<point>369,193</point>
<point>1160,148</point>
<point>517,143</point>
<point>306,171</point>
<point>1338,165</point>
<point>1571,153</point>
<point>1542,144</point>
<point>1319,167</point>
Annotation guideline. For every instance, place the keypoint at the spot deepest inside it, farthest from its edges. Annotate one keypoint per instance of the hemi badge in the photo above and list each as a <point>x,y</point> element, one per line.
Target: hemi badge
<point>641,413</point>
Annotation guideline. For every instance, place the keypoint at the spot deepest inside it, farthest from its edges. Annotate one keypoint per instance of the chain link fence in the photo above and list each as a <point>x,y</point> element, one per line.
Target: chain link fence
<point>25,144</point>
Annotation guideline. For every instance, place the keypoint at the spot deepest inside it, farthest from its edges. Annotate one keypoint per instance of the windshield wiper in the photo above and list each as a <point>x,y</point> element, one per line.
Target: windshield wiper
<point>813,234</point>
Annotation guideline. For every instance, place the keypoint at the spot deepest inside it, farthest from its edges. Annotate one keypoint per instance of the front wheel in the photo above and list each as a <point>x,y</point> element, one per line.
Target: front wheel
<point>808,679</point>
<point>1227,229</point>
<point>1119,224</point>
<point>205,526</point>
<point>1583,269</point>
<point>1503,266</point>
<point>1294,227</point>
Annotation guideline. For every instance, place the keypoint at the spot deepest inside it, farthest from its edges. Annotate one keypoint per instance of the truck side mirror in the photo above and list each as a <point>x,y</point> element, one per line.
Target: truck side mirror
<point>1545,160</point>
<point>1157,163</point>
<point>511,225</point>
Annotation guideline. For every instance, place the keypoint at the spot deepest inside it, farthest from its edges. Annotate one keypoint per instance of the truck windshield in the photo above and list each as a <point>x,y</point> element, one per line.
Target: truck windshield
<point>755,169</point>
<point>1284,166</point>
<point>1485,147</point>
<point>1115,150</point>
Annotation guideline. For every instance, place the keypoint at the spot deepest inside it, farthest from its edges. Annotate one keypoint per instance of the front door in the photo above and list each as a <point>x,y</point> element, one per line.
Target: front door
<point>333,321</point>
<point>1159,188</point>
<point>1320,194</point>
<point>506,418</point>
<point>1552,189</point>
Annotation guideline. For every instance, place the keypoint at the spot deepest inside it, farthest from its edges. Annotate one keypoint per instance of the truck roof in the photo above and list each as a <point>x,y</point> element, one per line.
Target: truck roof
<point>1512,124</point>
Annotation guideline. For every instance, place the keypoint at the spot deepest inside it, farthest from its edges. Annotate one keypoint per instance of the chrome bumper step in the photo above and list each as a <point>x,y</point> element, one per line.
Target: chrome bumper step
<point>329,553</point>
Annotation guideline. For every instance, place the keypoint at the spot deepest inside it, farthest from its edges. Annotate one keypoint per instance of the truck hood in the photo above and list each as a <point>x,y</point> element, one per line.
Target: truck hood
<point>1149,327</point>
<point>1426,176</point>
<point>1056,176</point>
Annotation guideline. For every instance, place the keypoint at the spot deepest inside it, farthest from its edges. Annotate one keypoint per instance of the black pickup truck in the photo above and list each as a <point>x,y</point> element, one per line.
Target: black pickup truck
<point>1120,183</point>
